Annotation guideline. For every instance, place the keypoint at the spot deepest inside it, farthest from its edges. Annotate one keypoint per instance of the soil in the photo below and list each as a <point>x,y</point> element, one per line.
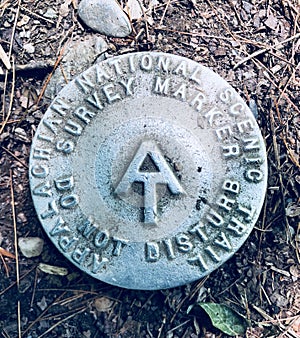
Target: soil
<point>255,46</point>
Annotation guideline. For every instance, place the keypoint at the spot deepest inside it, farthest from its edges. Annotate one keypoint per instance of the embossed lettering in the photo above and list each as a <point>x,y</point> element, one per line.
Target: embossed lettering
<point>116,64</point>
<point>84,83</point>
<point>118,246</point>
<point>169,248</point>
<point>95,101</point>
<point>161,87</point>
<point>164,63</point>
<point>101,74</point>
<point>214,218</point>
<point>128,86</point>
<point>195,75</point>
<point>224,133</point>
<point>98,262</point>
<point>41,154</point>
<point>237,109</point>
<point>211,252</point>
<point>69,201</point>
<point>223,242</point>
<point>101,239</point>
<point>198,101</point>
<point>198,230</point>
<point>227,95</point>
<point>181,69</point>
<point>181,92</point>
<point>109,93</point>
<point>146,62</point>
<point>65,146</point>
<point>87,229</point>
<point>84,115</point>
<point>131,64</point>
<point>80,255</point>
<point>198,260</point>
<point>59,227</point>
<point>64,183</point>
<point>60,107</point>
<point>237,226</point>
<point>231,186</point>
<point>52,210</point>
<point>248,213</point>
<point>152,252</point>
<point>225,203</point>
<point>245,126</point>
<point>231,151</point>
<point>183,242</point>
<point>73,128</point>
<point>251,144</point>
<point>40,171</point>
<point>43,189</point>
<point>44,137</point>
<point>52,124</point>
<point>212,115</point>
<point>254,175</point>
<point>66,243</point>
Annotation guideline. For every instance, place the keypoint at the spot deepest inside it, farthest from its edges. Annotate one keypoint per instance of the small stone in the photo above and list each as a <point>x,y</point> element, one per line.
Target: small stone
<point>31,246</point>
<point>78,56</point>
<point>105,16</point>
<point>29,48</point>
<point>42,304</point>
<point>271,22</point>
<point>134,9</point>
<point>50,13</point>
<point>24,21</point>
<point>103,304</point>
<point>292,210</point>
<point>20,134</point>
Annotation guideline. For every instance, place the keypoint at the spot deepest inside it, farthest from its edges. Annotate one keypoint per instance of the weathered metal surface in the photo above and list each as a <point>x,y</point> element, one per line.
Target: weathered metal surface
<point>148,171</point>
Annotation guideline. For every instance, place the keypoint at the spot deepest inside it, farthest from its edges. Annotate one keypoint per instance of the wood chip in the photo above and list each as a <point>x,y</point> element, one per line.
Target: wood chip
<point>4,58</point>
<point>283,272</point>
<point>53,270</point>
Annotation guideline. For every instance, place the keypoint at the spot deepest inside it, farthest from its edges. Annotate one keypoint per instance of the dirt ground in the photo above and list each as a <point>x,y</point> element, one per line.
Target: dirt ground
<point>255,46</point>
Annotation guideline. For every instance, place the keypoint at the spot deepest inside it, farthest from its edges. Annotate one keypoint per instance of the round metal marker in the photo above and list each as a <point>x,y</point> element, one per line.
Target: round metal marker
<point>148,171</point>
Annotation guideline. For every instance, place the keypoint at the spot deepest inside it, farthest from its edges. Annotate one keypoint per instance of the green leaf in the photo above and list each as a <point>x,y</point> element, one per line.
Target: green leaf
<point>225,319</point>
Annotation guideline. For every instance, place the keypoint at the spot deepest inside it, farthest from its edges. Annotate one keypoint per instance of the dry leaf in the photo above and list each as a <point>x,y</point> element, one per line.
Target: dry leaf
<point>64,8</point>
<point>5,253</point>
<point>24,21</point>
<point>292,210</point>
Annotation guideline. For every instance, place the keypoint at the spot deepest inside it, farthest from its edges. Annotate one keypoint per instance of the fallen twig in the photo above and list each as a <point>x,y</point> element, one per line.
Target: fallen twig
<point>263,50</point>
<point>63,320</point>
<point>19,320</point>
<point>15,227</point>
<point>15,157</point>
<point>37,15</point>
<point>6,118</point>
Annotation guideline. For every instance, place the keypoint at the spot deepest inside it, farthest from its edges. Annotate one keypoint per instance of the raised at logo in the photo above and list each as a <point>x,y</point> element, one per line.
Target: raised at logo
<point>161,174</point>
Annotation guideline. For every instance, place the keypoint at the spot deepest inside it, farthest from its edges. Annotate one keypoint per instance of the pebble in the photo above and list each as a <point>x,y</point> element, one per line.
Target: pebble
<point>105,17</point>
<point>31,246</point>
<point>29,48</point>
<point>50,13</point>
<point>78,56</point>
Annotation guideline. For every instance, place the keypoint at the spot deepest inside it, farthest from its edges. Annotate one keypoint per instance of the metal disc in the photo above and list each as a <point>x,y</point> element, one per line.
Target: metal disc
<point>148,171</point>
